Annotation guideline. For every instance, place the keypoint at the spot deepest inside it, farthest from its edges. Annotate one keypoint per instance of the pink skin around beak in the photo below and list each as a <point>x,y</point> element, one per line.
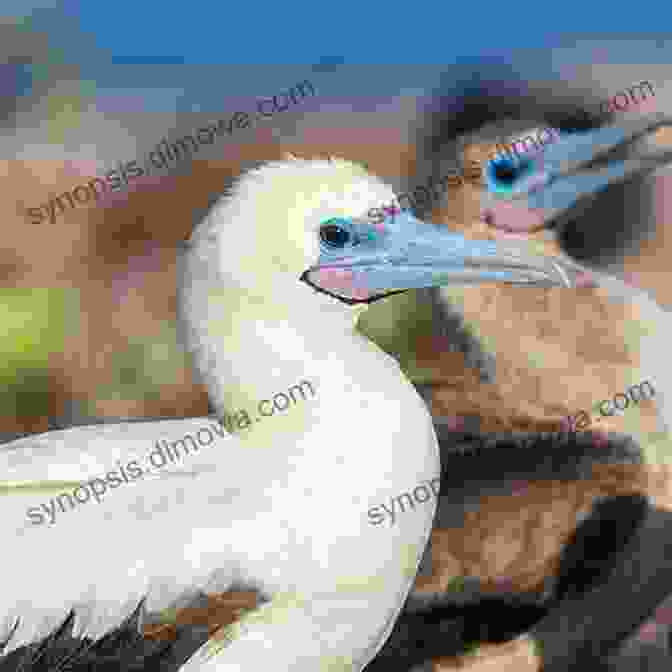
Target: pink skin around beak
<point>341,280</point>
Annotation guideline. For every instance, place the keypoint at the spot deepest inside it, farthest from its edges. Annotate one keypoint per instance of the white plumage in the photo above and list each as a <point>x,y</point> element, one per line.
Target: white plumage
<point>282,505</point>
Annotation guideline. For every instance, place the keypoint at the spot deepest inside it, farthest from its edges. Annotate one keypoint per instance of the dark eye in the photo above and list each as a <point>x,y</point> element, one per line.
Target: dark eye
<point>506,171</point>
<point>335,233</point>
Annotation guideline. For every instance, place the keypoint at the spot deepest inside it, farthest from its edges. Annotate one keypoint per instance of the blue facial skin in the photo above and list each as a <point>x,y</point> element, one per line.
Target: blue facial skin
<point>535,174</point>
<point>514,173</point>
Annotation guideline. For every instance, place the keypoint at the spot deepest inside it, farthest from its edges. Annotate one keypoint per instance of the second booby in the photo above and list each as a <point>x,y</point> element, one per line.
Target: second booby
<point>578,631</point>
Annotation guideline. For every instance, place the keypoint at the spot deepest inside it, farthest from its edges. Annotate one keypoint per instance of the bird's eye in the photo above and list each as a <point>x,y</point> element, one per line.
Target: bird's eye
<point>335,233</point>
<point>505,172</point>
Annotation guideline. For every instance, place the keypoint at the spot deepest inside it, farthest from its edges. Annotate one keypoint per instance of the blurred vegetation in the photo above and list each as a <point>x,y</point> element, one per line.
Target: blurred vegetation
<point>395,324</point>
<point>146,366</point>
<point>34,323</point>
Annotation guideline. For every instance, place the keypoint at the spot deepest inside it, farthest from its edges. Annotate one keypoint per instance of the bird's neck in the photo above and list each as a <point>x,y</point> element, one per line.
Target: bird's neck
<point>650,337</point>
<point>269,373</point>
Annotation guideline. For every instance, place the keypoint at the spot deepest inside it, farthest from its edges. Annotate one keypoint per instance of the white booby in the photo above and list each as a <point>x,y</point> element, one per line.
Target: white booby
<point>269,291</point>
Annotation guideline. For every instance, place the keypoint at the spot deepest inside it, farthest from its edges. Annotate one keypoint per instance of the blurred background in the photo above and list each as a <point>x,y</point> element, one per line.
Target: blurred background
<point>87,302</point>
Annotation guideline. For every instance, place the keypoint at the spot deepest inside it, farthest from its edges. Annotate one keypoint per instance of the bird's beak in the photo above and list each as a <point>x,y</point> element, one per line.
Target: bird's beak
<point>406,253</point>
<point>577,168</point>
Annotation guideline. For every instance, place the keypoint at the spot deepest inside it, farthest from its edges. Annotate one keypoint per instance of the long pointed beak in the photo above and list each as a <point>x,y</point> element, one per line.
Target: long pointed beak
<point>576,169</point>
<point>568,191</point>
<point>576,151</point>
<point>415,254</point>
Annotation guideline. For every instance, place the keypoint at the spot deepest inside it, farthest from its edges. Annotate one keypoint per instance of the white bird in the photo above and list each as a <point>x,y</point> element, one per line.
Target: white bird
<point>270,289</point>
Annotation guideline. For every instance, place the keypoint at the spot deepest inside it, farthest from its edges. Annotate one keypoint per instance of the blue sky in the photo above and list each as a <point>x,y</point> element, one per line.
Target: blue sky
<point>364,32</point>
<point>265,32</point>
<point>215,49</point>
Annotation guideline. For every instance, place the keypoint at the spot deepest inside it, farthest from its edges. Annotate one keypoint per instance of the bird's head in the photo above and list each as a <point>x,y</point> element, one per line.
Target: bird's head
<point>297,230</point>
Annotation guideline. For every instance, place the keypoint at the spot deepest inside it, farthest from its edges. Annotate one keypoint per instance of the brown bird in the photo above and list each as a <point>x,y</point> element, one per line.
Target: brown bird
<point>517,480</point>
